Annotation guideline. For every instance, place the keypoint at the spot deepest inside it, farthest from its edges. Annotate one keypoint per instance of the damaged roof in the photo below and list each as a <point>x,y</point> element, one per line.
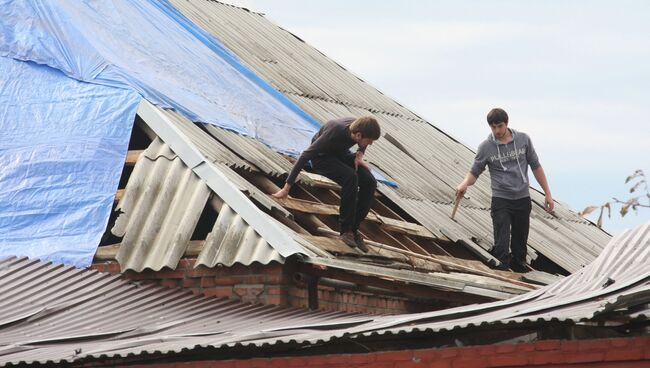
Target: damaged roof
<point>53,313</point>
<point>190,169</point>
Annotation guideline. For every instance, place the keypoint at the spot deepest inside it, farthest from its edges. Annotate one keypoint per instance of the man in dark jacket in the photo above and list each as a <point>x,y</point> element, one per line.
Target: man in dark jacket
<point>507,154</point>
<point>330,156</point>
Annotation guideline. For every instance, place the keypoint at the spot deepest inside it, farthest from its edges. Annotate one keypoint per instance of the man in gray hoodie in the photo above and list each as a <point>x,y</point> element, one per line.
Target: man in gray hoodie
<point>507,154</point>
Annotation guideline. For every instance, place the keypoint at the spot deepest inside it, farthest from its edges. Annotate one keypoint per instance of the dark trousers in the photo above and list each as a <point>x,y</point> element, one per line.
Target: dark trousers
<point>511,219</point>
<point>357,188</point>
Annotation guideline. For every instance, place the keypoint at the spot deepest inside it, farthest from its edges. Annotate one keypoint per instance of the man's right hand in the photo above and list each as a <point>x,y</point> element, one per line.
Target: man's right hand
<point>282,193</point>
<point>460,190</point>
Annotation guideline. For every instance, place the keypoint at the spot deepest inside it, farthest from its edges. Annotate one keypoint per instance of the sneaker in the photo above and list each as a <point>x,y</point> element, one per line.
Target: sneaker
<point>349,239</point>
<point>361,244</point>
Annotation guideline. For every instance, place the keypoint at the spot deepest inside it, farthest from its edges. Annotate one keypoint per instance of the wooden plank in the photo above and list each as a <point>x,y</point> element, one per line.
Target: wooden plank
<point>404,227</point>
<point>320,181</point>
<point>108,252</point>
<point>386,223</point>
<point>118,195</point>
<point>308,206</point>
<point>132,157</point>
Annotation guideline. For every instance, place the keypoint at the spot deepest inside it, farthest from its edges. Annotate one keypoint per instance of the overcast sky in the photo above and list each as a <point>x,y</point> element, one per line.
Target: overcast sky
<point>574,75</point>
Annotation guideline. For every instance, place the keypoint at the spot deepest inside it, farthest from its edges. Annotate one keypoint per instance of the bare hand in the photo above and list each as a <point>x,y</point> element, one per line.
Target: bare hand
<point>358,160</point>
<point>549,205</point>
<point>460,190</point>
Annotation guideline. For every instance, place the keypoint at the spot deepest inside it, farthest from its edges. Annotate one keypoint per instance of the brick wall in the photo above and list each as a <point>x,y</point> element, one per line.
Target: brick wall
<point>265,284</point>
<point>621,352</point>
<point>338,299</point>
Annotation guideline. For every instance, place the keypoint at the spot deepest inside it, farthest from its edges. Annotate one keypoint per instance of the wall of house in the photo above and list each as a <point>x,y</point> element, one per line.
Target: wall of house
<point>601,353</point>
<point>265,284</point>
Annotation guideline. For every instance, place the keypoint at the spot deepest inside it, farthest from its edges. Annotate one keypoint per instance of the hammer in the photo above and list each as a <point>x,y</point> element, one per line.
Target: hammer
<point>456,203</point>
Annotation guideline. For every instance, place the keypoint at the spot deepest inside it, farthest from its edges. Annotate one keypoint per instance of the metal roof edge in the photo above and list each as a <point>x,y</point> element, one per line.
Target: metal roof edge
<point>217,181</point>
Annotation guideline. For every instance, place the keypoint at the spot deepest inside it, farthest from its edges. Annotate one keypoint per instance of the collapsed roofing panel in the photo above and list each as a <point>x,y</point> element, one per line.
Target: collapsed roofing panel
<point>48,308</point>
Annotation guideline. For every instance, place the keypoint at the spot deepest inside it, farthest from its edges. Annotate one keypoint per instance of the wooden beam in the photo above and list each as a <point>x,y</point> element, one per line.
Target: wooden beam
<point>132,157</point>
<point>118,195</point>
<point>108,252</point>
<point>386,223</point>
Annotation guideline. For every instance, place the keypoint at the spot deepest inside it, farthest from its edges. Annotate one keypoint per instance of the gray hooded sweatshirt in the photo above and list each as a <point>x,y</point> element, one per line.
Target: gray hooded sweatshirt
<point>508,164</point>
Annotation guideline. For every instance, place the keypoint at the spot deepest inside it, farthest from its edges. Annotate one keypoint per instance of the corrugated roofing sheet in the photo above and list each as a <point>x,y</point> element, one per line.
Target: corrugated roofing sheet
<point>161,206</point>
<point>425,162</point>
<point>52,313</point>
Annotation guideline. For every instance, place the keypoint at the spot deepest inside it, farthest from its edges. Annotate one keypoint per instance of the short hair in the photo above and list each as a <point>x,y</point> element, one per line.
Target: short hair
<point>367,126</point>
<point>496,116</point>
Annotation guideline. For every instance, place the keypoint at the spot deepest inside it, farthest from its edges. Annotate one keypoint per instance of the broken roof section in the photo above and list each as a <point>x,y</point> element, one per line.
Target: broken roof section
<point>411,236</point>
<point>50,311</point>
<point>173,185</point>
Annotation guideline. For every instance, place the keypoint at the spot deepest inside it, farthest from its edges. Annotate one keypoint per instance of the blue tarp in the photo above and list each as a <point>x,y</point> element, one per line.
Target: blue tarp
<point>149,47</point>
<point>62,148</point>
<point>63,141</point>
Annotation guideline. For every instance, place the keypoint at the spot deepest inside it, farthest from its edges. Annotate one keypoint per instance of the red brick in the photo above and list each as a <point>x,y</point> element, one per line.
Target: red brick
<point>619,343</point>
<point>546,357</point>
<point>274,290</point>
<point>226,280</point>
<point>449,353</point>
<point>409,364</point>
<point>170,283</point>
<point>374,365</point>
<point>274,300</point>
<point>427,355</point>
<point>469,363</point>
<point>279,362</point>
<point>585,357</point>
<point>336,359</point>
<point>440,364</point>
<point>589,345</point>
<point>548,345</point>
<point>191,283</point>
<point>506,348</point>
<point>568,346</point>
<point>219,292</point>
<point>199,272</point>
<point>641,341</point>
<point>395,355</point>
<point>508,359</point>
<point>624,354</point>
<point>526,347</point>
<point>207,282</point>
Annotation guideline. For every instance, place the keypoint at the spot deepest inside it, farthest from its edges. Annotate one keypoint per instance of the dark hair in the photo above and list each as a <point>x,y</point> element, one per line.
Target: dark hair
<point>367,126</point>
<point>496,116</point>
